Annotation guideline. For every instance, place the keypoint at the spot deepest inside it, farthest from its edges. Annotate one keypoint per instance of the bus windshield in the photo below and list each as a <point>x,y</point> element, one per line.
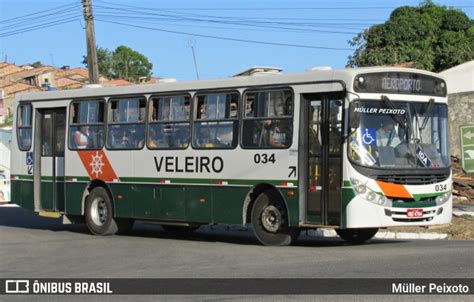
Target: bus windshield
<point>404,135</point>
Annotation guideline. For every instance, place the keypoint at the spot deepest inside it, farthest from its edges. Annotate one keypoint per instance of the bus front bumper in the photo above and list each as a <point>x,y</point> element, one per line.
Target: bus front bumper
<point>361,213</point>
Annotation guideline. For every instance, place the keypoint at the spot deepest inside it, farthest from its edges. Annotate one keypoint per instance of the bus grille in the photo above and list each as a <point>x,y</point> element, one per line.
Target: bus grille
<point>412,179</point>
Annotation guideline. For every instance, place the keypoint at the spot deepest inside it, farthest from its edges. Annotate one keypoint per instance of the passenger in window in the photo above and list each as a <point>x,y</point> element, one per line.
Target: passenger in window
<point>277,136</point>
<point>157,137</point>
<point>233,109</point>
<point>82,137</point>
<point>225,135</point>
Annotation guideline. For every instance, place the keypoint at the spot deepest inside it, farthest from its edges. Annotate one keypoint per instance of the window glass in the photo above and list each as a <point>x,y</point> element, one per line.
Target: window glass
<point>173,108</point>
<point>268,104</point>
<point>216,124</point>
<point>25,116</point>
<point>86,131</point>
<point>268,119</point>
<point>168,135</point>
<point>87,112</point>
<point>217,106</point>
<point>169,122</point>
<point>47,135</point>
<point>24,127</point>
<point>126,129</point>
<point>126,136</point>
<point>127,110</point>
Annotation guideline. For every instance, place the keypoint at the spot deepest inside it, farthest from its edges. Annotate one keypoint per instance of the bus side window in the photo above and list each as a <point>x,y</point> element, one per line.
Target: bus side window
<point>126,123</point>
<point>216,122</point>
<point>86,125</point>
<point>24,119</point>
<point>268,120</point>
<point>169,124</point>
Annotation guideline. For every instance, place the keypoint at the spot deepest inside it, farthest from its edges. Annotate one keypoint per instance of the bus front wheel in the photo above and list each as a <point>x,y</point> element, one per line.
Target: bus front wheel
<point>357,235</point>
<point>99,214</point>
<point>270,221</point>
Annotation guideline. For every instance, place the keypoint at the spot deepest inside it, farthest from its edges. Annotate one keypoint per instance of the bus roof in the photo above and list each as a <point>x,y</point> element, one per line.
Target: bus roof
<point>310,76</point>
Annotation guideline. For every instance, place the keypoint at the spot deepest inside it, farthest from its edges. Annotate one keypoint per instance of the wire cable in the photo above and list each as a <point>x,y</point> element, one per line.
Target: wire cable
<point>228,38</point>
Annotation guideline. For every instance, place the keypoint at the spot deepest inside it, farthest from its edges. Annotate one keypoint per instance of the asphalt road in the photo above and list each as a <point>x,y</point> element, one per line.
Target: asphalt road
<point>35,247</point>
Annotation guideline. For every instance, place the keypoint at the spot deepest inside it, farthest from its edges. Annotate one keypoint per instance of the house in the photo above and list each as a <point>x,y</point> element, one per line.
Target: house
<point>460,83</point>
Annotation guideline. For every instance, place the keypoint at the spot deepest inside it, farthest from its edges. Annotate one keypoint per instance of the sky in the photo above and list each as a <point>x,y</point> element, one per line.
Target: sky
<point>301,34</point>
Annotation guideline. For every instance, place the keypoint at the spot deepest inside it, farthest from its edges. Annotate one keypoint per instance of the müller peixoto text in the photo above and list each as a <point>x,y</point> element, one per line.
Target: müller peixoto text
<point>430,288</point>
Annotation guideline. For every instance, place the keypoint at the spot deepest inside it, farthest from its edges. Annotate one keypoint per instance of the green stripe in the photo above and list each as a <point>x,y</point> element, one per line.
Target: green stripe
<point>196,181</point>
<point>415,204</point>
<point>205,181</point>
<point>419,197</point>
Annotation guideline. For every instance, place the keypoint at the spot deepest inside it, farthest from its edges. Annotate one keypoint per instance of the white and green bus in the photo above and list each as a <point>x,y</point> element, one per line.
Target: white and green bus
<point>355,150</point>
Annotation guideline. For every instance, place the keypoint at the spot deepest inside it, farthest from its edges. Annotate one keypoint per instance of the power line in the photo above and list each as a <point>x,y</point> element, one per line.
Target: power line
<point>270,8</point>
<point>38,13</point>
<point>39,20</point>
<point>227,38</point>
<point>228,22</point>
<point>38,27</point>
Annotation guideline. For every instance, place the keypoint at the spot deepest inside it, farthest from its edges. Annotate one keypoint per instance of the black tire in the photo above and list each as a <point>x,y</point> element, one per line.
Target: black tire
<point>357,235</point>
<point>179,229</point>
<point>99,215</point>
<point>270,221</point>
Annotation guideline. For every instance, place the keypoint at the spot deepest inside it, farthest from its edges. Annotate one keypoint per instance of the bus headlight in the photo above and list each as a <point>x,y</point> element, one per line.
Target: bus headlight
<point>368,194</point>
<point>358,187</point>
<point>443,198</point>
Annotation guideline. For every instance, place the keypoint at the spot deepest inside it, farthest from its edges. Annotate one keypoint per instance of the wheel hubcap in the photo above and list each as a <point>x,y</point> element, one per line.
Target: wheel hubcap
<point>271,219</point>
<point>99,211</point>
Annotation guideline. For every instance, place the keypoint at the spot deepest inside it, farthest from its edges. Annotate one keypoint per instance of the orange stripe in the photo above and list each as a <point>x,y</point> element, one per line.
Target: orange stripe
<point>97,165</point>
<point>393,190</point>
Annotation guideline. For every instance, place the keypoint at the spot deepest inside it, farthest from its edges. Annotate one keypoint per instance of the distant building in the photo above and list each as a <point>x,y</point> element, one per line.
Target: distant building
<point>27,78</point>
<point>460,82</point>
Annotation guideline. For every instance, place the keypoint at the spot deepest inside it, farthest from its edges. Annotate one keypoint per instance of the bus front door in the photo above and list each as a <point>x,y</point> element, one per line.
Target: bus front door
<point>49,150</point>
<point>321,149</point>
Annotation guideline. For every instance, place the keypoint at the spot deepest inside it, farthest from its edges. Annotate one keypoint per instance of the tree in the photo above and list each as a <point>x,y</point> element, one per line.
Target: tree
<point>129,64</point>
<point>104,62</point>
<point>37,64</point>
<point>122,63</point>
<point>433,37</point>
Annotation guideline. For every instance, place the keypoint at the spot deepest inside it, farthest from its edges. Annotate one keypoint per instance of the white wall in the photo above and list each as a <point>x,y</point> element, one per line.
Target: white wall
<point>460,78</point>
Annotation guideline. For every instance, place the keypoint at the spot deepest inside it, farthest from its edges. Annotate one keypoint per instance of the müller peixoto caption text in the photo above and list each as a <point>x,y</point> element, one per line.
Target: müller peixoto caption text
<point>430,288</point>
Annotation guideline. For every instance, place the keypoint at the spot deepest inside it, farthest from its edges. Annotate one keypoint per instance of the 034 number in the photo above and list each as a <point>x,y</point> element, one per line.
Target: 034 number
<point>264,158</point>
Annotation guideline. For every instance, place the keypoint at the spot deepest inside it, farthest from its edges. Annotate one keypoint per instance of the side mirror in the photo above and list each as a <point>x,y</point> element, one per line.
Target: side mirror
<point>354,117</point>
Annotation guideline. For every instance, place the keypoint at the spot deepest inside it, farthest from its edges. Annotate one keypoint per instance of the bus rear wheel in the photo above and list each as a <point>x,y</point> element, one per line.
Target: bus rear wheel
<point>99,215</point>
<point>357,235</point>
<point>270,221</point>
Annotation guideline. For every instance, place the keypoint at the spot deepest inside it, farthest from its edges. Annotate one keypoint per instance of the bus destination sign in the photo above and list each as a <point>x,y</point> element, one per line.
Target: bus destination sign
<point>399,82</point>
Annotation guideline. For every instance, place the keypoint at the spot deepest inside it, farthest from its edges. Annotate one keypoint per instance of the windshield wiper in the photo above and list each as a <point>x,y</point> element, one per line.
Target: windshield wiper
<point>389,104</point>
<point>429,109</point>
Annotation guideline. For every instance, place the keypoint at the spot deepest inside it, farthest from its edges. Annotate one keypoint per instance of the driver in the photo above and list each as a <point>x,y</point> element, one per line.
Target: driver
<point>387,134</point>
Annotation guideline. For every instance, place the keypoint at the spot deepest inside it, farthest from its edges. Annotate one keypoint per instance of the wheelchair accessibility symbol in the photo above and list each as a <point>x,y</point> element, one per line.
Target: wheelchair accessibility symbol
<point>368,136</point>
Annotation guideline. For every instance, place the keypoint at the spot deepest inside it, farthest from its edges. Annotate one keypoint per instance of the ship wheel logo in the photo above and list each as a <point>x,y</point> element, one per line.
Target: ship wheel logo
<point>96,164</point>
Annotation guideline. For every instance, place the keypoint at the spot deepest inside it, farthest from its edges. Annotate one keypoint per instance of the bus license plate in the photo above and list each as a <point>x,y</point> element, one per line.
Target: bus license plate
<point>413,213</point>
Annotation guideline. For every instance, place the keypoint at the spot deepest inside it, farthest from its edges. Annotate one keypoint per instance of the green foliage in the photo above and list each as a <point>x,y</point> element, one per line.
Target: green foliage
<point>433,37</point>
<point>37,64</point>
<point>7,121</point>
<point>122,63</point>
<point>129,64</point>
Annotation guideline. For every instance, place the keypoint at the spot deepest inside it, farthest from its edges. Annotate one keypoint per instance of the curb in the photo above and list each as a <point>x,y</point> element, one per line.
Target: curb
<point>8,205</point>
<point>461,213</point>
<point>326,233</point>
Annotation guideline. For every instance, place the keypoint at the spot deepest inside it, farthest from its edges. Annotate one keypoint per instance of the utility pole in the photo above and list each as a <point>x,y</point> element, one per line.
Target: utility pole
<point>91,46</point>
<point>191,44</point>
